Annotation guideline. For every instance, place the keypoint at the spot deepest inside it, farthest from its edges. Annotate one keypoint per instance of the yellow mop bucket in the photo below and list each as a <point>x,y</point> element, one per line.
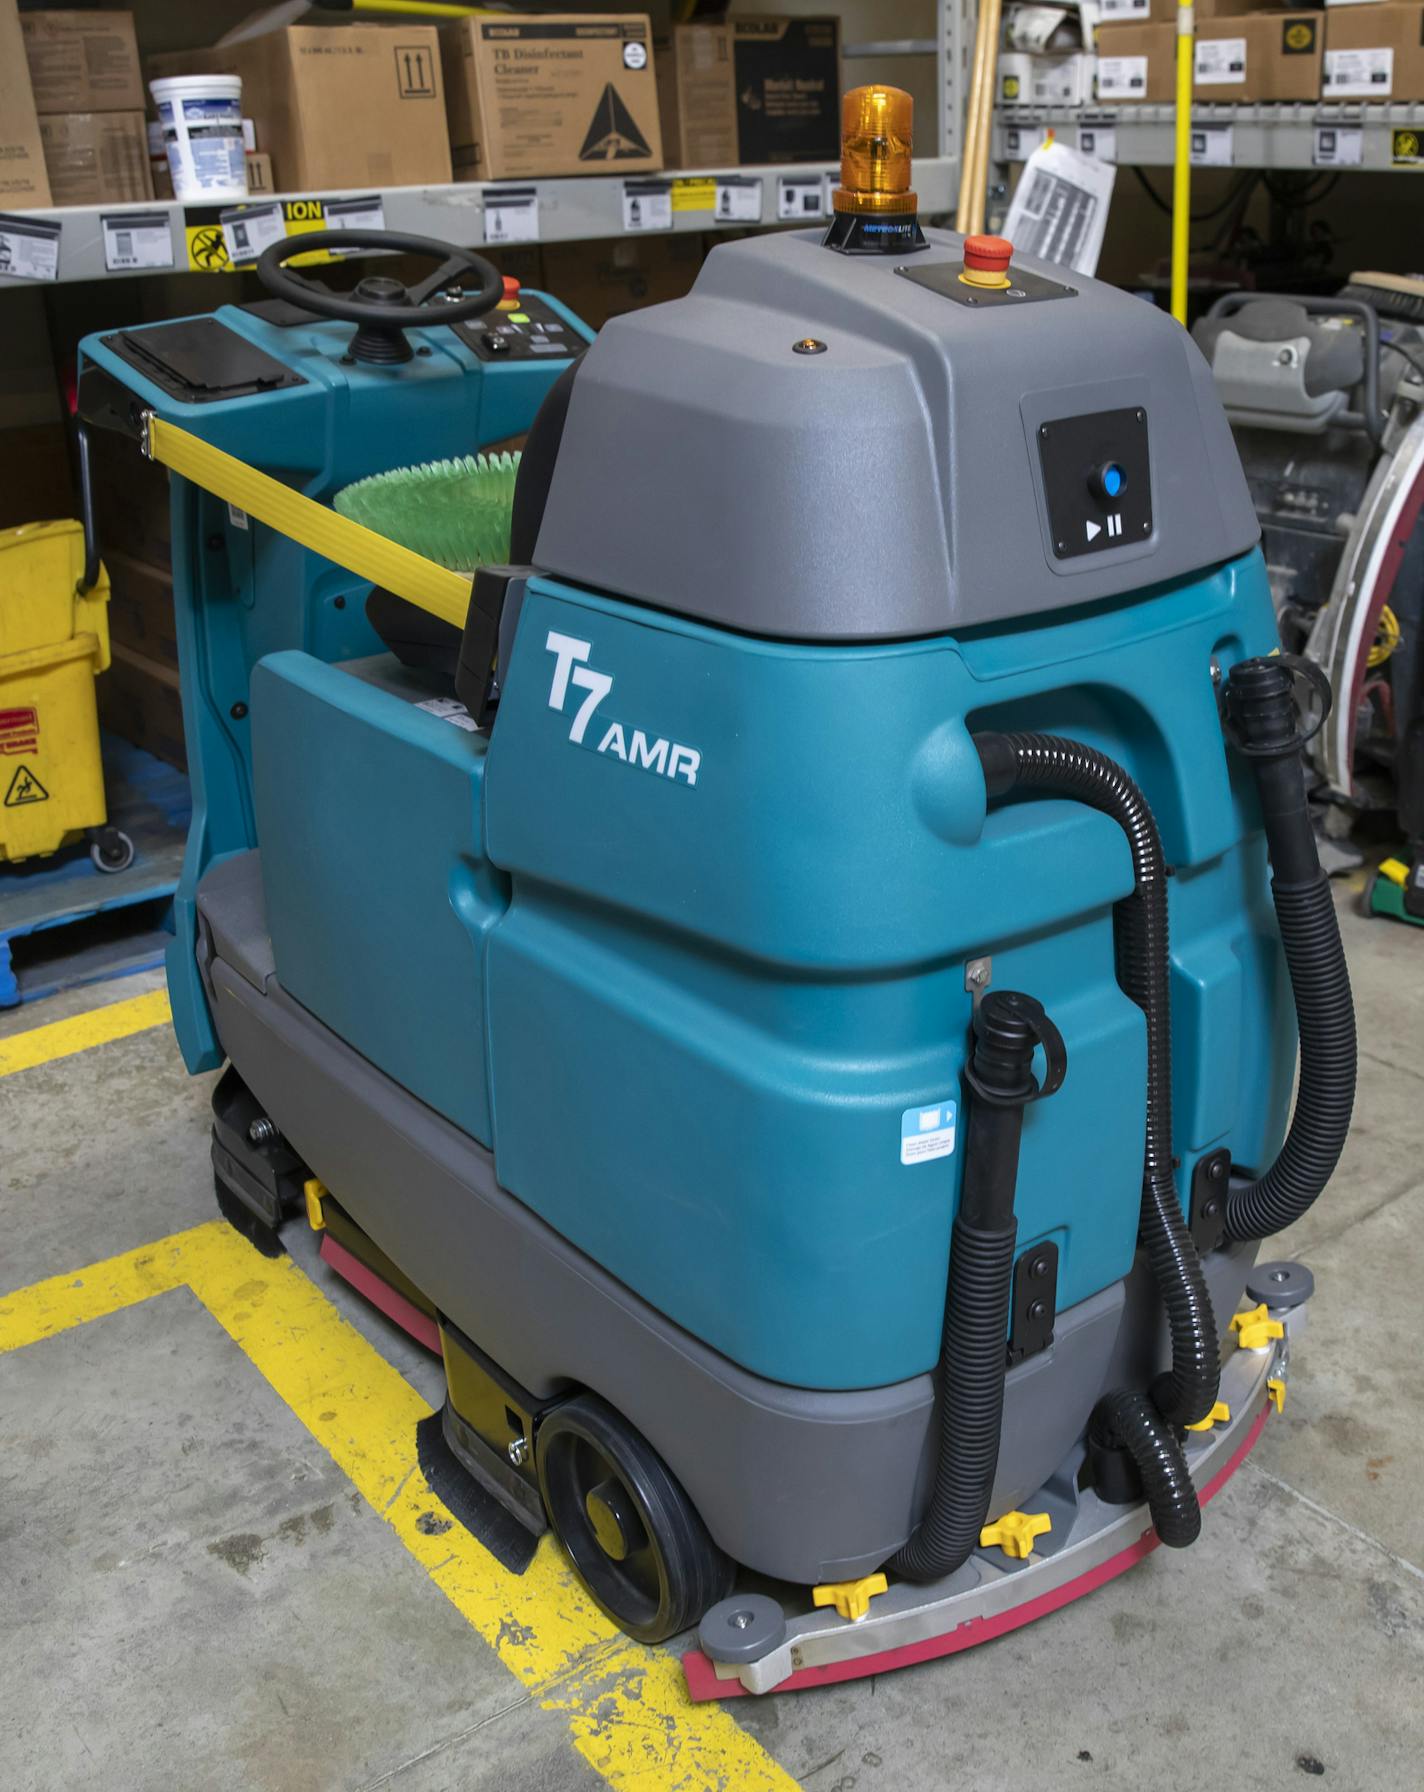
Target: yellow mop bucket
<point>54,641</point>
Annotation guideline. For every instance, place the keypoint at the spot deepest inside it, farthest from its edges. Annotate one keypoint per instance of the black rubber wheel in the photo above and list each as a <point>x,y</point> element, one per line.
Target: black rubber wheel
<point>111,850</point>
<point>631,1532</point>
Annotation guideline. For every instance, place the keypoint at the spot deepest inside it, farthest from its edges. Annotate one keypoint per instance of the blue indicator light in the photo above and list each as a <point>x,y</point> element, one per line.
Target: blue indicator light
<point>1113,480</point>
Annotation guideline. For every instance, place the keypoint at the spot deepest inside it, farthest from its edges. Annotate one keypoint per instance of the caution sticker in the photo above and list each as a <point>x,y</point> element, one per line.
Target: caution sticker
<point>696,195</point>
<point>25,788</point>
<point>1408,150</point>
<point>211,232</point>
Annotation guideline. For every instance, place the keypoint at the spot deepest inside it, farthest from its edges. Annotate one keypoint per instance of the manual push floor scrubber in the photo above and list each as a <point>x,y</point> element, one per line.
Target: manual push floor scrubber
<point>715,984</point>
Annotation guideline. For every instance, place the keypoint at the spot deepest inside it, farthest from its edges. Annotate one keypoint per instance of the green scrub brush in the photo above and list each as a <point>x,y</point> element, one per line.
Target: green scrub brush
<point>455,512</point>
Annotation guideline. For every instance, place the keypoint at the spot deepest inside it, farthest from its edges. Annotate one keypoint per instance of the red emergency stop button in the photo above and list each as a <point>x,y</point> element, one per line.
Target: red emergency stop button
<point>987,255</point>
<point>511,285</point>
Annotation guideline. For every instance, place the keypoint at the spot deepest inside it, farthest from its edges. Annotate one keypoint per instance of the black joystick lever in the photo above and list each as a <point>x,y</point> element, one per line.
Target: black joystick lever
<point>383,309</point>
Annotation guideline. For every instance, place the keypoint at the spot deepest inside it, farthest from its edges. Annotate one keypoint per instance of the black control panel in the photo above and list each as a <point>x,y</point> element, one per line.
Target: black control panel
<point>520,329</point>
<point>1097,481</point>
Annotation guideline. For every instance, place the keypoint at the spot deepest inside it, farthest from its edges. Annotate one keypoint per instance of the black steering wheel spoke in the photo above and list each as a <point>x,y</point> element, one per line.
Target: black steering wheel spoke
<point>382,308</point>
<point>445,275</point>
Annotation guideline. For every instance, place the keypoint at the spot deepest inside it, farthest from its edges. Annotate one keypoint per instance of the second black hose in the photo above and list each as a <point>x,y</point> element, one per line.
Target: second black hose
<point>1058,766</point>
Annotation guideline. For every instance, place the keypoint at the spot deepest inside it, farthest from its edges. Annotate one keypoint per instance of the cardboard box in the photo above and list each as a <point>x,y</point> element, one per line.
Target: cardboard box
<point>83,61</point>
<point>1262,56</point>
<point>259,173</point>
<point>141,607</point>
<point>1164,12</point>
<point>564,93</point>
<point>604,279</point>
<point>96,158</point>
<point>1137,63</point>
<point>139,701</point>
<point>1046,80</point>
<point>23,181</point>
<point>752,91</point>
<point>1374,52</point>
<point>340,106</point>
<point>1236,57</point>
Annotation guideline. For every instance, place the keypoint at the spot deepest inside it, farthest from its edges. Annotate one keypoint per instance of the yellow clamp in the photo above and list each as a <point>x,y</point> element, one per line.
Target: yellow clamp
<point>1254,1330</point>
<point>315,1192</point>
<point>1276,1390</point>
<point>1218,1415</point>
<point>851,1598</point>
<point>1014,1533</point>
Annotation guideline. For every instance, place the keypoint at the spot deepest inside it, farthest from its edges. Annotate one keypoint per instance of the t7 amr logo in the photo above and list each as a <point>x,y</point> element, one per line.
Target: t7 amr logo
<point>668,759</point>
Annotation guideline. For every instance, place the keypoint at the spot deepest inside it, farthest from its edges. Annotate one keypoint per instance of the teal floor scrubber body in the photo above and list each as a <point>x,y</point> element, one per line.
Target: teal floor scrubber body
<point>755,923</point>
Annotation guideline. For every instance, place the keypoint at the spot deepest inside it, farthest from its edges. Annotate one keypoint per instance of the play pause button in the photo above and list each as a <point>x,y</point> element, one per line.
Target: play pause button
<point>1114,528</point>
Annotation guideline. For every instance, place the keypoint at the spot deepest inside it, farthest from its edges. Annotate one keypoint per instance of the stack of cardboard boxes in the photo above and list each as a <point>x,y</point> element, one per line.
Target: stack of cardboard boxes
<point>1247,51</point>
<point>1374,51</point>
<point>1243,52</point>
<point>87,89</point>
<point>366,105</point>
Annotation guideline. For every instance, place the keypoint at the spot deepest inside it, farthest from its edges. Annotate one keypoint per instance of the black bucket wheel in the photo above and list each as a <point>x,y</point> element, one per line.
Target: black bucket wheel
<point>631,1532</point>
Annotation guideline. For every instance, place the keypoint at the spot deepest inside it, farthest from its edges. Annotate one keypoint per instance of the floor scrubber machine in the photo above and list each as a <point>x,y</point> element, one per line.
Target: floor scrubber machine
<point>710,976</point>
<point>1326,400</point>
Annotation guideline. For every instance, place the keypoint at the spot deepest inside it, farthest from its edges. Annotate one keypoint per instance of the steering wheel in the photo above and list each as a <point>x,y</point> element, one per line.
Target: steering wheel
<point>382,308</point>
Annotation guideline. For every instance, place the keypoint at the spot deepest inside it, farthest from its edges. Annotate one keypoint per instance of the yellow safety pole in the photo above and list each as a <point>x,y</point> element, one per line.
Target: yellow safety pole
<point>1182,161</point>
<point>979,116</point>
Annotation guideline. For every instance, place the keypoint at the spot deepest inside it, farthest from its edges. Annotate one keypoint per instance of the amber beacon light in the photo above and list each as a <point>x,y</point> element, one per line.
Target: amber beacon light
<point>875,209</point>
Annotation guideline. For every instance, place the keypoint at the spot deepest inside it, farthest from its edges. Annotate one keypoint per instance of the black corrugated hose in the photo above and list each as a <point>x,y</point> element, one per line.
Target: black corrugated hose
<point>973,1355</point>
<point>1263,724</point>
<point>1129,1421</point>
<point>1187,1391</point>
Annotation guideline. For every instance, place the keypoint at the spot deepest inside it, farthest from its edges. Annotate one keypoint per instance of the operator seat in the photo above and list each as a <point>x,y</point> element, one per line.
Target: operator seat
<point>425,642</point>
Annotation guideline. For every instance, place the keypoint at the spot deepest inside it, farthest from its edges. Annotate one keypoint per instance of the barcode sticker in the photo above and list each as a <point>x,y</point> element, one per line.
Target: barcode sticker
<point>1098,141</point>
<point>136,240</point>
<point>249,230</point>
<point>29,248</point>
<point>1122,77</point>
<point>738,199</point>
<point>1362,74</point>
<point>1338,146</point>
<point>1213,145</point>
<point>512,215</point>
<point>1220,62</point>
<point>356,214</point>
<point>800,196</point>
<point>647,205</point>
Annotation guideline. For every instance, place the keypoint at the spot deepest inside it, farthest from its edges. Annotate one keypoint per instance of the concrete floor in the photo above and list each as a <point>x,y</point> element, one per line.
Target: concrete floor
<point>196,1597</point>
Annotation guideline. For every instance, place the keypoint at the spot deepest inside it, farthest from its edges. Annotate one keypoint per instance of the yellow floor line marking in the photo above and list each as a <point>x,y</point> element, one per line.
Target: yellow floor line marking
<point>627,1710</point>
<point>62,1038</point>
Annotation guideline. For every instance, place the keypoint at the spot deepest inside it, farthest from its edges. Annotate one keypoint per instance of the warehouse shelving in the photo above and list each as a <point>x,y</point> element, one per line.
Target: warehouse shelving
<point>567,210</point>
<point>585,208</point>
<point>1262,136</point>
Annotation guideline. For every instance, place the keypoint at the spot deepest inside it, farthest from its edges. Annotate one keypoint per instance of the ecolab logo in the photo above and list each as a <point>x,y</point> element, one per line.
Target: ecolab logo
<point>666,758</point>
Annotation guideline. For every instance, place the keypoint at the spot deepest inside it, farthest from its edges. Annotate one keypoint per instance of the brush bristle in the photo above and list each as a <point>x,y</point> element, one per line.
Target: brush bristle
<point>455,512</point>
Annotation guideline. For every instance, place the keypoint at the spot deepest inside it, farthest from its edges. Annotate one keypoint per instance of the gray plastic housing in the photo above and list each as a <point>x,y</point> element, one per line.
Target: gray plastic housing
<point>886,488</point>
